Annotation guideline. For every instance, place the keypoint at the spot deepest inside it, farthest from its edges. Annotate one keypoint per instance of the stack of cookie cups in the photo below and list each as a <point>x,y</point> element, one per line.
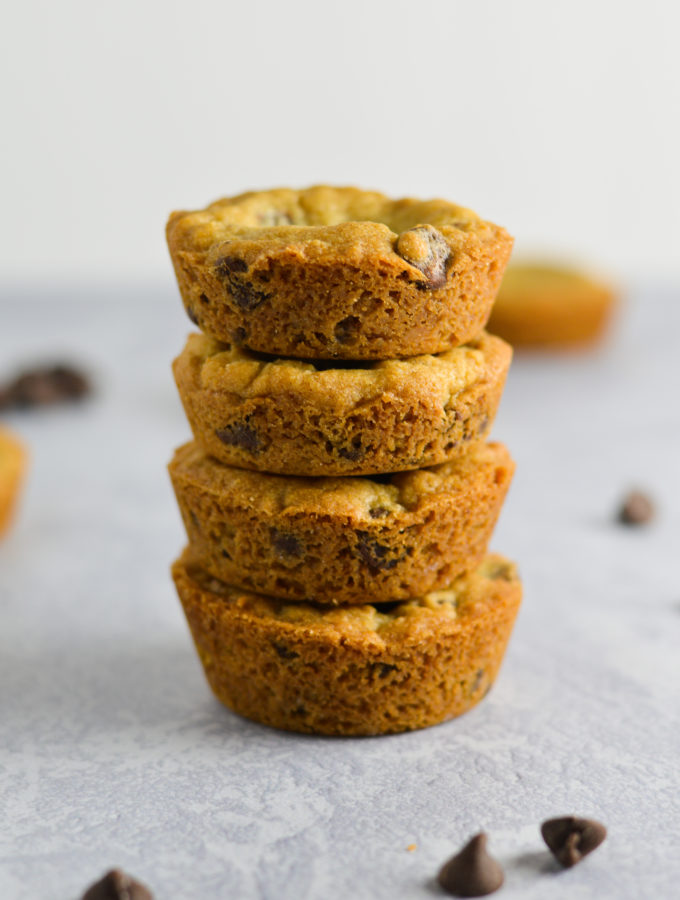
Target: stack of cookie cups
<point>339,494</point>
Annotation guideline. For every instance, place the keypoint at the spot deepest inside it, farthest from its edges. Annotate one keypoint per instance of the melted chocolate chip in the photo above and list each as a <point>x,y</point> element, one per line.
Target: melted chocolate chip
<point>285,652</point>
<point>230,270</point>
<point>377,556</point>
<point>570,839</point>
<point>471,872</point>
<point>383,669</point>
<point>354,452</point>
<point>286,544</point>
<point>116,885</point>
<point>191,314</point>
<point>378,512</point>
<point>426,249</point>
<point>229,265</point>
<point>245,296</point>
<point>240,435</point>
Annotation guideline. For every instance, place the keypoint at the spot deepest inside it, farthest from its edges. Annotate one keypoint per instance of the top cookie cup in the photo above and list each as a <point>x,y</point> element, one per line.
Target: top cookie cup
<point>337,272</point>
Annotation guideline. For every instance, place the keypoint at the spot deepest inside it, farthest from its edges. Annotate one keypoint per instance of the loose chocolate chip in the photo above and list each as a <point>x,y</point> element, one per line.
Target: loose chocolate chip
<point>116,885</point>
<point>285,544</point>
<point>570,839</point>
<point>426,249</point>
<point>471,872</point>
<point>347,330</point>
<point>376,556</point>
<point>45,386</point>
<point>239,435</point>
<point>636,509</point>
<point>285,652</point>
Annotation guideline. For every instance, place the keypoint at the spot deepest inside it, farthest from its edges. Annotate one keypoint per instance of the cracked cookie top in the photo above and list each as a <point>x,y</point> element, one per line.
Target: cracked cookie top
<point>221,367</point>
<point>422,233</point>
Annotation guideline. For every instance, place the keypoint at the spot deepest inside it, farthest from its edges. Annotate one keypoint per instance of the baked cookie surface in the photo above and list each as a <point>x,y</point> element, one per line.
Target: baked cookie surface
<point>332,272</point>
<point>340,540</point>
<point>356,670</point>
<point>550,305</point>
<point>12,467</point>
<point>300,418</point>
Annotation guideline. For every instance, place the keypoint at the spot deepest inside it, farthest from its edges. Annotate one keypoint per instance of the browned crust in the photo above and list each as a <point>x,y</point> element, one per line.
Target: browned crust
<point>545,306</point>
<point>285,417</point>
<point>352,671</point>
<point>340,540</point>
<point>333,288</point>
<point>13,460</point>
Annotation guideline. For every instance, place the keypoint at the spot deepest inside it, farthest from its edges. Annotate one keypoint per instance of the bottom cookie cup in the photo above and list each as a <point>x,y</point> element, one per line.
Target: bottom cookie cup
<point>12,465</point>
<point>360,670</point>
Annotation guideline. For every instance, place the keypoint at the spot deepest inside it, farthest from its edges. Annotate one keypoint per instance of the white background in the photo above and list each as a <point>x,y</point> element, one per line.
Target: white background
<point>558,120</point>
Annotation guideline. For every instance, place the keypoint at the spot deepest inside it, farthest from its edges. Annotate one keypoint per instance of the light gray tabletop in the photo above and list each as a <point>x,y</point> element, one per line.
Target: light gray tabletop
<point>113,751</point>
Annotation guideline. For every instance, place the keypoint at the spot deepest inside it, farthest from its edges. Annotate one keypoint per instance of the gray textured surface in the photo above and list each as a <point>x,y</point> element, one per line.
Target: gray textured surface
<point>112,751</point>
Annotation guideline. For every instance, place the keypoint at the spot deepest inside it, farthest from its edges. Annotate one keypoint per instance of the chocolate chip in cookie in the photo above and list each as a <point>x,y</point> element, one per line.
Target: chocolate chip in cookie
<point>239,434</point>
<point>425,248</point>
<point>230,270</point>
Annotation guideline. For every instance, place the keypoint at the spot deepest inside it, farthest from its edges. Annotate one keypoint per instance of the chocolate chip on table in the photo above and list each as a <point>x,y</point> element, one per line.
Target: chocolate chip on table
<point>637,509</point>
<point>44,386</point>
<point>570,839</point>
<point>471,872</point>
<point>426,249</point>
<point>116,885</point>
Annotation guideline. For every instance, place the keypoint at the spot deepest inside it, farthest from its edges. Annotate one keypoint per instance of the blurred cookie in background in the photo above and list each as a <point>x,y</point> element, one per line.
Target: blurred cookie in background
<point>541,304</point>
<point>13,460</point>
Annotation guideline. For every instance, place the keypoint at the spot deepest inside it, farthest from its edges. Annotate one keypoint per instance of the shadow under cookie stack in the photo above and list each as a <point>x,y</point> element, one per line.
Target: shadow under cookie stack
<point>339,495</point>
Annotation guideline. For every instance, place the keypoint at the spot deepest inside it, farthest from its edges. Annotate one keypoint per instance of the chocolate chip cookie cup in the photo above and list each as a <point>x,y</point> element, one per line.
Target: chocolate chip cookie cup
<point>360,670</point>
<point>12,467</point>
<point>545,305</point>
<point>341,540</point>
<point>294,417</point>
<point>342,273</point>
